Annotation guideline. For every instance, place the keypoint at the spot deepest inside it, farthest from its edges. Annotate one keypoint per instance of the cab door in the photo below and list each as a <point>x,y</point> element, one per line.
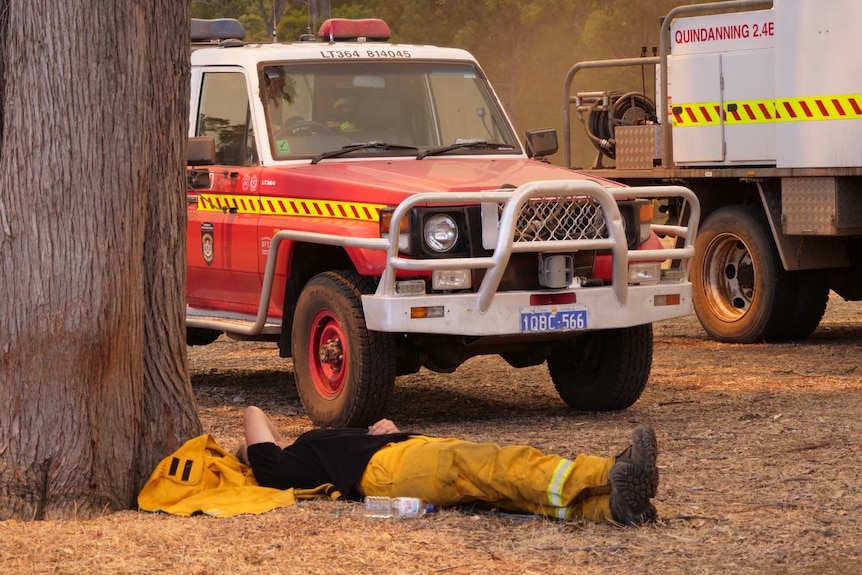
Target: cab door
<point>222,271</point>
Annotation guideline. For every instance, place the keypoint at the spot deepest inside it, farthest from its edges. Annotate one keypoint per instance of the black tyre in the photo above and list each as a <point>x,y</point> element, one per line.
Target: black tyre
<point>740,290</point>
<point>811,294</point>
<point>344,372</point>
<point>603,370</point>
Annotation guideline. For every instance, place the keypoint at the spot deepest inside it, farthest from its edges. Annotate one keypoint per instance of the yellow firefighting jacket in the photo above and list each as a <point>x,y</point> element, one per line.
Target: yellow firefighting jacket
<point>201,477</point>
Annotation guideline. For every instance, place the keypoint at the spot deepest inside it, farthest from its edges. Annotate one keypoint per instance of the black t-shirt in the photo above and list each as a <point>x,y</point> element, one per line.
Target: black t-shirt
<point>337,456</point>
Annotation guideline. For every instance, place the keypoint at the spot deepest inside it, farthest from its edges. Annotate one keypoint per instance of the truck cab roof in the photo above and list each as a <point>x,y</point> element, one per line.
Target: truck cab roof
<point>316,100</point>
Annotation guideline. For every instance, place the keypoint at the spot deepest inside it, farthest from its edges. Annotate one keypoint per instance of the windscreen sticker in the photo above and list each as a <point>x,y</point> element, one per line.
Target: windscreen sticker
<point>283,147</point>
<point>207,242</point>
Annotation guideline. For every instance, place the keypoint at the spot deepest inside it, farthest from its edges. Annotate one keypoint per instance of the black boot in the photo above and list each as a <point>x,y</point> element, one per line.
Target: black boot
<point>630,500</point>
<point>643,453</point>
<point>634,480</point>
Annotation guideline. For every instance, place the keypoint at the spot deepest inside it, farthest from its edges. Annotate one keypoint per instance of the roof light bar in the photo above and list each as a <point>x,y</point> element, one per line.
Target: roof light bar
<point>364,30</point>
<point>216,30</point>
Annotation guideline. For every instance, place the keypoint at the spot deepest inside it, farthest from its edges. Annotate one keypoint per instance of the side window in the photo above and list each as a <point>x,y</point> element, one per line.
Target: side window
<point>224,116</point>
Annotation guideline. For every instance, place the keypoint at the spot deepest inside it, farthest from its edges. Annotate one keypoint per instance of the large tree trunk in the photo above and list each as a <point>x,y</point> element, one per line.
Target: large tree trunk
<point>93,374</point>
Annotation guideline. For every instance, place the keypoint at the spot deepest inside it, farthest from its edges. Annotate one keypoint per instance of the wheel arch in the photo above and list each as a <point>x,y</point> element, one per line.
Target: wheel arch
<point>716,194</point>
<point>306,260</point>
<point>795,252</point>
<point>800,252</point>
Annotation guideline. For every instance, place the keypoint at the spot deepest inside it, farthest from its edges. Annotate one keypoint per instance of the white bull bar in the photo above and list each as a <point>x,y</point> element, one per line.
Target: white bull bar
<point>488,312</point>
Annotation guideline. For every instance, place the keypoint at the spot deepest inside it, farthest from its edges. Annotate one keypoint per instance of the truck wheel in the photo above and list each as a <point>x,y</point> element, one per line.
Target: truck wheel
<point>740,291</point>
<point>603,370</point>
<point>344,372</point>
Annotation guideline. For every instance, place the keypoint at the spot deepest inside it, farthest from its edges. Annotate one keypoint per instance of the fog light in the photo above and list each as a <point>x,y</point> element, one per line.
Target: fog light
<point>450,279</point>
<point>410,287</point>
<point>644,272</point>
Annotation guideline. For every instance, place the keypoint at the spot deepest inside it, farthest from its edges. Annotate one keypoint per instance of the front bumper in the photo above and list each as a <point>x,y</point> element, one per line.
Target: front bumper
<point>461,314</point>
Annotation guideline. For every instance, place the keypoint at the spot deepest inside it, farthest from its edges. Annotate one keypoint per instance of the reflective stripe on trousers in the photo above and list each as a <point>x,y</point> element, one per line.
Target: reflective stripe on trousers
<point>516,478</point>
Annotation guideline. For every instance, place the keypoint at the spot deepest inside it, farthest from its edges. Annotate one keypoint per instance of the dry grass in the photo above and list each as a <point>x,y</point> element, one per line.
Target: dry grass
<point>759,462</point>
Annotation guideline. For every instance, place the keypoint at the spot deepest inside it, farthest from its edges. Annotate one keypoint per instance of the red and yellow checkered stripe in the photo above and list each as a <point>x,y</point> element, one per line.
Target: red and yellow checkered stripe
<point>843,107</point>
<point>275,206</point>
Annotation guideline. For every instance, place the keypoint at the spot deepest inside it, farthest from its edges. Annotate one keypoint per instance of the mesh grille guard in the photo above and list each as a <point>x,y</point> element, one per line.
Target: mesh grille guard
<point>559,219</point>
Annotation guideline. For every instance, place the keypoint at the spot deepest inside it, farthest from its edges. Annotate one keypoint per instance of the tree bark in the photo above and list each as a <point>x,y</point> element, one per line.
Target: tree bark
<point>94,383</point>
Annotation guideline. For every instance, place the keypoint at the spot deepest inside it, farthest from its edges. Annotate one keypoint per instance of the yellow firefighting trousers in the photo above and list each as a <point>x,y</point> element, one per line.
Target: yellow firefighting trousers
<point>516,478</point>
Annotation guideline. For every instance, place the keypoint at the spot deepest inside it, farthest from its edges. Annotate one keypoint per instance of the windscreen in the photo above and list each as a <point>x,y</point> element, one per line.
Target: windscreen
<point>318,107</point>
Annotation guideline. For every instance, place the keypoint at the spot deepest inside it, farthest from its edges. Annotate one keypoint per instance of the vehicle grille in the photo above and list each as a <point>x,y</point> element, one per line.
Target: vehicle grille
<point>555,219</point>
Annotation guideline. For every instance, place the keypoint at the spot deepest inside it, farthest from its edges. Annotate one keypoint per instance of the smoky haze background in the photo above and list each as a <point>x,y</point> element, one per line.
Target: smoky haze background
<point>526,47</point>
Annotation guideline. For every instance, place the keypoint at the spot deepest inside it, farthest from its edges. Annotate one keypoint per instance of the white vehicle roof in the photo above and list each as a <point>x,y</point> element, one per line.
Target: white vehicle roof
<point>249,55</point>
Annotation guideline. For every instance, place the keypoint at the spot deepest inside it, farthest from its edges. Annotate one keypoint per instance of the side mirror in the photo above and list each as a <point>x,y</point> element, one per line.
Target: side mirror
<point>201,151</point>
<point>541,143</point>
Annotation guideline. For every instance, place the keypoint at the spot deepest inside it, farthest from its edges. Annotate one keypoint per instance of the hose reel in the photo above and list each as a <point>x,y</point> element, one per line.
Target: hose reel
<point>607,110</point>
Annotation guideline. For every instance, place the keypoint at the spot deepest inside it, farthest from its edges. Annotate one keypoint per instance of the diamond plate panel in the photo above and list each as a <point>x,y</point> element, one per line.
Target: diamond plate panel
<point>822,206</point>
<point>637,147</point>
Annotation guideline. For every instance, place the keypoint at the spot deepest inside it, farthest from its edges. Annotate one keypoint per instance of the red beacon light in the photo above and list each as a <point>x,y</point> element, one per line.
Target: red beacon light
<point>347,30</point>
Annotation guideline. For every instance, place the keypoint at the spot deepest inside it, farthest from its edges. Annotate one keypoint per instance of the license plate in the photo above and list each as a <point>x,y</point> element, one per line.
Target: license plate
<point>537,319</point>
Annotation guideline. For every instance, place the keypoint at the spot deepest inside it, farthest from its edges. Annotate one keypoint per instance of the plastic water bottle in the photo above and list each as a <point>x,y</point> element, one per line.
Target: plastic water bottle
<point>396,507</point>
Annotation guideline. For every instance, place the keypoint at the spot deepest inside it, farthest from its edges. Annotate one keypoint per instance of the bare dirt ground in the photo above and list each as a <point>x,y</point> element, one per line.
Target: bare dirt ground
<point>758,456</point>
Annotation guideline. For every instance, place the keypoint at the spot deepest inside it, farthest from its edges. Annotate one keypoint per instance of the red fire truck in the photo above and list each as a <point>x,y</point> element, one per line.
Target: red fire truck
<point>761,116</point>
<point>369,207</point>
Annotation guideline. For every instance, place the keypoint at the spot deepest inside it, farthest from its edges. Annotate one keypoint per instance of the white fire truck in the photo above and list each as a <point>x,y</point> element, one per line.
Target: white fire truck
<point>761,116</point>
<point>369,207</point>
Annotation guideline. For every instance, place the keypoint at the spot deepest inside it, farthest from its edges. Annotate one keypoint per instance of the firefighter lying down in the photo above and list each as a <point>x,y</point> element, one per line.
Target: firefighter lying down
<point>381,460</point>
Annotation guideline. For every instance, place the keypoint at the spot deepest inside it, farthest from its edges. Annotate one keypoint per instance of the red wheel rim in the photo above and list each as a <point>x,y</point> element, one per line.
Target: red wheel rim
<point>327,354</point>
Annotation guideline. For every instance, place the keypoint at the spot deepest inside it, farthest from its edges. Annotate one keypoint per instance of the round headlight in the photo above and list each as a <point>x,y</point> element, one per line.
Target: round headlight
<point>440,232</point>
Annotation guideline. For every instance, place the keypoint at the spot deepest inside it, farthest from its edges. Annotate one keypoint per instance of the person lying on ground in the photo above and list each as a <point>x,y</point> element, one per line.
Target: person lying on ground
<point>384,461</point>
